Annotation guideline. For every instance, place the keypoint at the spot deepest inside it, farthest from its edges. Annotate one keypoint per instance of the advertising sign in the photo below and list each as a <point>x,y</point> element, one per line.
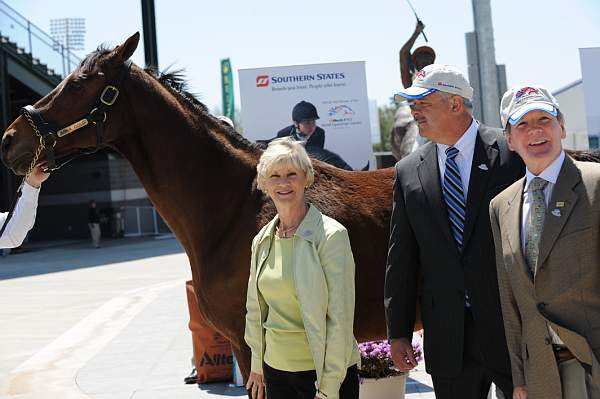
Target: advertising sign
<point>227,89</point>
<point>338,91</point>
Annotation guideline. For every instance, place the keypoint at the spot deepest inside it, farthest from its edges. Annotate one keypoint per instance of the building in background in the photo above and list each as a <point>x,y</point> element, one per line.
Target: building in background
<point>590,65</point>
<point>571,101</point>
<point>580,103</point>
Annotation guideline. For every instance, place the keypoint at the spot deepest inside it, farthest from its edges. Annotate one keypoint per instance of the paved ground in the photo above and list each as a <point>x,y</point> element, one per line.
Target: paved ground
<point>108,323</point>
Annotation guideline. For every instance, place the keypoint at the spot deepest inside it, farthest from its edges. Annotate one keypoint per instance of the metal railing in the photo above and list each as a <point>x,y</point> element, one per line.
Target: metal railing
<point>30,39</point>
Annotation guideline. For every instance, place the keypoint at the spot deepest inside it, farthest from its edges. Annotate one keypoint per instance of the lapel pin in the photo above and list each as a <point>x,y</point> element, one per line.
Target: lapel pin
<point>556,212</point>
<point>483,166</point>
<point>560,204</point>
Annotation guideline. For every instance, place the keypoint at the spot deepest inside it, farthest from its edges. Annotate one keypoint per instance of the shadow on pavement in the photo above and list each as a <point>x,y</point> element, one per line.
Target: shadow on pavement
<point>45,258</point>
<point>224,389</point>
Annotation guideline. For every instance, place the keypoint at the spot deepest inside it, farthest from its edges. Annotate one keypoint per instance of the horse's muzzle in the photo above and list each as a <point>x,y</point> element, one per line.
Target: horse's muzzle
<point>17,162</point>
<point>4,148</point>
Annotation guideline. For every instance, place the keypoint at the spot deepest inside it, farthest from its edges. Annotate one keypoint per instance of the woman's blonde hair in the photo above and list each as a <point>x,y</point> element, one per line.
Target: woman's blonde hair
<point>284,151</point>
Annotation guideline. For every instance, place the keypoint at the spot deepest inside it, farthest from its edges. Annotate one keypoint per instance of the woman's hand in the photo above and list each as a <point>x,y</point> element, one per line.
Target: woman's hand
<point>37,177</point>
<point>256,385</point>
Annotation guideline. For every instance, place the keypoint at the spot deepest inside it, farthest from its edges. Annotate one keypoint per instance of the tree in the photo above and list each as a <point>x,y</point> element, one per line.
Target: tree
<point>386,123</point>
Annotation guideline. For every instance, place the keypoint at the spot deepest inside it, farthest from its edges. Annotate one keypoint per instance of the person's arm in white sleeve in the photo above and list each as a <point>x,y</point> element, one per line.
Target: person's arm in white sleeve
<point>23,216</point>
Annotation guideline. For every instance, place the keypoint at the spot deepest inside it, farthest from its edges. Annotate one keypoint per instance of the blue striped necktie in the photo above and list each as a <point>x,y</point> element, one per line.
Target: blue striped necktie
<point>454,196</point>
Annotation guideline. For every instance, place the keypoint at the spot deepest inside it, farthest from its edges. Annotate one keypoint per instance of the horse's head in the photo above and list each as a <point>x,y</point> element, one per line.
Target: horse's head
<point>80,114</point>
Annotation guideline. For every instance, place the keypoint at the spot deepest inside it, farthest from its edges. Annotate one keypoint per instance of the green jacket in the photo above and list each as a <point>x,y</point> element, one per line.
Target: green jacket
<point>324,279</point>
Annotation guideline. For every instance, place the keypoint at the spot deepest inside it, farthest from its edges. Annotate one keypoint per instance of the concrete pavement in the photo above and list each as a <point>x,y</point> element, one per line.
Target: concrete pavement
<point>108,323</point>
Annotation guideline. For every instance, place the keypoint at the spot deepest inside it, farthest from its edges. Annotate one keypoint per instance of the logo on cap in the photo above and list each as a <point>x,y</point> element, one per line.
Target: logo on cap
<point>525,91</point>
<point>420,74</point>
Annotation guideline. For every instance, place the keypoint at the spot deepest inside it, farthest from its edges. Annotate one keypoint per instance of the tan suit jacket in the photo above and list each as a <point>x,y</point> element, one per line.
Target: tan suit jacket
<point>566,290</point>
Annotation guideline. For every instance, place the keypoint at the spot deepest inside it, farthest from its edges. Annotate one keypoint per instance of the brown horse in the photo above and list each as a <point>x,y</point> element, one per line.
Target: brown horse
<point>200,175</point>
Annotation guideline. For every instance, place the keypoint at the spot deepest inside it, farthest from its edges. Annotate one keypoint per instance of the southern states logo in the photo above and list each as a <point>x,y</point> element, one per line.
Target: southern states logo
<point>262,81</point>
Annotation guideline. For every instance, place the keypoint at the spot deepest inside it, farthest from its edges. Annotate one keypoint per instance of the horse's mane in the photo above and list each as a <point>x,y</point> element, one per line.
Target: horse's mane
<point>592,155</point>
<point>176,83</point>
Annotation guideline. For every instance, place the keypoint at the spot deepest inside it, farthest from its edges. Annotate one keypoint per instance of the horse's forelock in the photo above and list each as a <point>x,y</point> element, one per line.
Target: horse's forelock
<point>91,63</point>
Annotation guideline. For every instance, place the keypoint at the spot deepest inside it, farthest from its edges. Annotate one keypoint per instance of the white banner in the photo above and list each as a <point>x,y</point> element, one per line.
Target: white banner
<point>590,65</point>
<point>337,90</point>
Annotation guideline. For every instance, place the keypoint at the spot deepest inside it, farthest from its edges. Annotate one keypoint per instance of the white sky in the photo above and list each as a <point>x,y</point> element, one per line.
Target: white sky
<point>538,40</point>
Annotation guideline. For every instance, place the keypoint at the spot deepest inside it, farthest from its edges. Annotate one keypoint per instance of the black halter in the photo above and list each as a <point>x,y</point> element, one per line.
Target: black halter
<point>49,135</point>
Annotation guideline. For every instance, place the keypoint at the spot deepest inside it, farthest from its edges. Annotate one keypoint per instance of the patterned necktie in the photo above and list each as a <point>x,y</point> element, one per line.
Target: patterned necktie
<point>454,196</point>
<point>535,223</point>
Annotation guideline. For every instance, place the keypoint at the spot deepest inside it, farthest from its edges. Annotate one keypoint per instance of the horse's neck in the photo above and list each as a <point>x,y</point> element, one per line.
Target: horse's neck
<point>197,182</point>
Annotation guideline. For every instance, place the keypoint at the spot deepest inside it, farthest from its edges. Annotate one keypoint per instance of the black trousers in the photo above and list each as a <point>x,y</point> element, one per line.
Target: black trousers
<point>475,379</point>
<point>301,384</point>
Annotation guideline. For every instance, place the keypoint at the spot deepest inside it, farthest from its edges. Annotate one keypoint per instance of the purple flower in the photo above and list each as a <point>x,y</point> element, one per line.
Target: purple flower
<point>376,361</point>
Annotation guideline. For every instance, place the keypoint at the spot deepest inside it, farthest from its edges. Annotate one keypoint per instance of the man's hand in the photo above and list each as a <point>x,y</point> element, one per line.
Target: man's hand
<point>520,392</point>
<point>403,354</point>
<point>420,27</point>
<point>256,385</point>
<point>37,177</point>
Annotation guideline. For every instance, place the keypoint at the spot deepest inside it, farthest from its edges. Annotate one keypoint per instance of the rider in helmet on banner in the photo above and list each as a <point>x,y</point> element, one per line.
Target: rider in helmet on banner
<point>305,127</point>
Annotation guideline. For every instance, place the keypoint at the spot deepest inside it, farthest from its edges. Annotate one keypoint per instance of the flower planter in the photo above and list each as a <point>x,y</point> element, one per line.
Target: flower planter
<point>384,388</point>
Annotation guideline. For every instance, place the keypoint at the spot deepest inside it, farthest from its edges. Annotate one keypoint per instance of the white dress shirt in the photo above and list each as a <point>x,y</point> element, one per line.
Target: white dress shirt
<point>466,147</point>
<point>550,174</point>
<point>22,219</point>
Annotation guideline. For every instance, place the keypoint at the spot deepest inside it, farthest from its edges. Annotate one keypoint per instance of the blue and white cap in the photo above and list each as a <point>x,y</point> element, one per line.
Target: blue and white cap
<point>436,77</point>
<point>519,100</point>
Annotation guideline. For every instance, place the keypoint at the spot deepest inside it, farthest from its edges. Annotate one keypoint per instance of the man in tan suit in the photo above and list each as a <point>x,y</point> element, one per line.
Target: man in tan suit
<point>546,231</point>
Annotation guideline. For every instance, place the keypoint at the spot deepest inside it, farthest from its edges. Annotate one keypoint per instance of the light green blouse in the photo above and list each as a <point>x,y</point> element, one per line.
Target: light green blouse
<point>286,345</point>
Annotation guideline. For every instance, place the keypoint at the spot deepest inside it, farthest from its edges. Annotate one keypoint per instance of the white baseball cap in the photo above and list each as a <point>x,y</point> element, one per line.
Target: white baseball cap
<point>519,100</point>
<point>436,77</point>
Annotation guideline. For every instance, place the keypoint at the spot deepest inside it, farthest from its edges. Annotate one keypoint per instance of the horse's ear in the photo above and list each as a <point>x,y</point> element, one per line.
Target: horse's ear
<point>123,51</point>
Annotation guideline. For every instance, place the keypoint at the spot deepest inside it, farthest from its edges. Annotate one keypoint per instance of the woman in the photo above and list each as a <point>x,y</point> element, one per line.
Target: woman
<point>300,304</point>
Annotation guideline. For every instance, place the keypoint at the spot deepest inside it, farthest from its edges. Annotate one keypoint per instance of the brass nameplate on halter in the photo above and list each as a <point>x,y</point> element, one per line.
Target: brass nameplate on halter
<point>72,128</point>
